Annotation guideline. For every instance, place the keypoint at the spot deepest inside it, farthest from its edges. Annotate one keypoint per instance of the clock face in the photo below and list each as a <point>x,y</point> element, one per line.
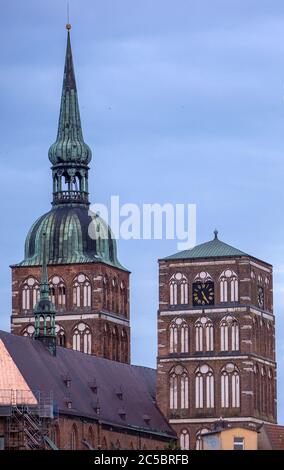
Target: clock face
<point>260,296</point>
<point>203,293</point>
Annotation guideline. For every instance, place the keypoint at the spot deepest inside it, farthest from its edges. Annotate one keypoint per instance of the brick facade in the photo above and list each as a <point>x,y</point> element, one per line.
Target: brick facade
<point>250,358</point>
<point>105,317</point>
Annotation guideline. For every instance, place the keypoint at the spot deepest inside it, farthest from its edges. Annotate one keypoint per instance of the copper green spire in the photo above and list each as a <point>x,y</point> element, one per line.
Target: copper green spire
<point>69,154</point>
<point>45,310</point>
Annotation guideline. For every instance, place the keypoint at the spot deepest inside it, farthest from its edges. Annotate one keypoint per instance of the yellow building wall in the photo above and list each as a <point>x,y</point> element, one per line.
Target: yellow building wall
<point>227,438</point>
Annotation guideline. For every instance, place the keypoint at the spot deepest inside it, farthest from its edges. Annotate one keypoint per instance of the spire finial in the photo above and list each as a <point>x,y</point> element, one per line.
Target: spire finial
<point>215,234</point>
<point>68,25</point>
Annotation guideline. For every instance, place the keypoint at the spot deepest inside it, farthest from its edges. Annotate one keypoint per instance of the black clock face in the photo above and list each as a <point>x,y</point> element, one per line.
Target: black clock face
<point>260,296</point>
<point>203,293</point>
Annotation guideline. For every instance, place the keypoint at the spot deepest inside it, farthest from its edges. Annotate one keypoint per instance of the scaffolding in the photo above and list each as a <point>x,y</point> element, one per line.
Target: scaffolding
<point>28,416</point>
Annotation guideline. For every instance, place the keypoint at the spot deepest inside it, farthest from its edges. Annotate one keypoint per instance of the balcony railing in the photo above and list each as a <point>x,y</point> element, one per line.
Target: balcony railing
<point>65,197</point>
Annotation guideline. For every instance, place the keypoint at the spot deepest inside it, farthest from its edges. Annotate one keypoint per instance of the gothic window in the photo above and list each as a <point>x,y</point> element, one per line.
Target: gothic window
<point>74,438</point>
<point>204,335</point>
<point>82,338</point>
<point>28,331</point>
<point>204,387</point>
<point>230,334</point>
<point>263,388</point>
<point>124,346</point>
<point>199,442</point>
<point>229,286</point>
<point>123,299</point>
<point>60,336</point>
<point>115,344</point>
<point>57,292</point>
<point>106,293</point>
<point>30,293</point>
<point>203,290</point>
<point>184,439</point>
<point>256,388</point>
<point>54,435</point>
<point>179,336</point>
<point>106,341</point>
<point>91,437</point>
<point>82,291</point>
<point>178,289</point>
<point>230,387</point>
<point>179,388</point>
<point>270,393</point>
<point>114,296</point>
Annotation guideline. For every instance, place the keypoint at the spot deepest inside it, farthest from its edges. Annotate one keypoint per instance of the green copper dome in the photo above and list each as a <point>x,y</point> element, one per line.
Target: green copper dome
<point>72,236</point>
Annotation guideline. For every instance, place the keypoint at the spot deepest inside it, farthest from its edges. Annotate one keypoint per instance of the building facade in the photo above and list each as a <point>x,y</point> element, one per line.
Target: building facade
<point>216,340</point>
<point>87,284</point>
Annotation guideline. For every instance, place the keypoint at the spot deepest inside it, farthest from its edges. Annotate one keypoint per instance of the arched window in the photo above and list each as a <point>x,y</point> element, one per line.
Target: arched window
<point>179,386</point>
<point>55,435</point>
<point>28,331</point>
<point>178,289</point>
<point>82,338</point>
<point>106,293</point>
<point>30,293</point>
<point>204,387</point>
<point>82,291</point>
<point>263,388</point>
<point>61,336</point>
<point>229,286</point>
<point>74,438</point>
<point>123,299</point>
<point>204,335</point>
<point>107,342</point>
<point>124,347</point>
<point>179,336</point>
<point>184,439</point>
<point>270,393</point>
<point>57,292</point>
<point>115,344</point>
<point>104,444</point>
<point>256,388</point>
<point>91,437</point>
<point>230,334</point>
<point>230,387</point>
<point>199,442</point>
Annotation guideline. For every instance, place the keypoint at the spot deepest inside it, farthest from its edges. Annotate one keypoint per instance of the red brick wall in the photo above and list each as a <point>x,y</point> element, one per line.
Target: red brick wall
<point>257,342</point>
<point>115,313</point>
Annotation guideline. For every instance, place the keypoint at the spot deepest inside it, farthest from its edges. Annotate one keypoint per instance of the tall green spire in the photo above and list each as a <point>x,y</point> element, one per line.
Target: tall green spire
<point>69,154</point>
<point>45,311</point>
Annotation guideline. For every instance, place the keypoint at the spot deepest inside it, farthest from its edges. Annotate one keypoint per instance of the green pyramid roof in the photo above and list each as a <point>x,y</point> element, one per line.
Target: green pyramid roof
<point>213,249</point>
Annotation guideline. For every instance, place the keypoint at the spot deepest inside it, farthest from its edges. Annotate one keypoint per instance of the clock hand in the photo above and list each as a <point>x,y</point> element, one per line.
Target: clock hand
<point>204,297</point>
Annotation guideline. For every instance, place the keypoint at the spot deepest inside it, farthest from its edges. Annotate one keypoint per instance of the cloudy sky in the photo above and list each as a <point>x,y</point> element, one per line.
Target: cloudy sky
<point>181,101</point>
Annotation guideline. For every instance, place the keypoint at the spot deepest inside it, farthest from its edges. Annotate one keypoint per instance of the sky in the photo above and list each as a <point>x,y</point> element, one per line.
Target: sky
<point>181,101</point>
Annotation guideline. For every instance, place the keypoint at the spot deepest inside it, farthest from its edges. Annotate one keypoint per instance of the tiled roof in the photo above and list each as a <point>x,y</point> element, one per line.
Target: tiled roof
<point>44,372</point>
<point>275,434</point>
<point>213,249</point>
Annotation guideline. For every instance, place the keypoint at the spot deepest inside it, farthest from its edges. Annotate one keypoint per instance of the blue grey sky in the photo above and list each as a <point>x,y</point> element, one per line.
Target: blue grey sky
<point>181,101</point>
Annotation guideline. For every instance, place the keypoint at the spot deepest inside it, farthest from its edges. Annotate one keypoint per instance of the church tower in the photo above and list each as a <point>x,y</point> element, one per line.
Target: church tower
<point>87,284</point>
<point>216,340</point>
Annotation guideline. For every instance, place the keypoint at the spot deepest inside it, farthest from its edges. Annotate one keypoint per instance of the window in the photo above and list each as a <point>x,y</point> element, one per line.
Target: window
<point>57,292</point>
<point>123,299</point>
<point>115,344</point>
<point>124,347</point>
<point>82,292</point>
<point>74,439</point>
<point>204,335</point>
<point>229,286</point>
<point>28,331</point>
<point>61,336</point>
<point>106,341</point>
<point>179,386</point>
<point>239,443</point>
<point>178,289</point>
<point>30,293</point>
<point>230,387</point>
<point>179,336</point>
<point>204,387</point>
<point>82,338</point>
<point>54,435</point>
<point>230,334</point>
<point>106,293</point>
<point>184,439</point>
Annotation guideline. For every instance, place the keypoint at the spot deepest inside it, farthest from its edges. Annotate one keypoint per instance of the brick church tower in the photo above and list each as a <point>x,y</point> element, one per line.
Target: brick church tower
<point>216,340</point>
<point>87,284</point>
